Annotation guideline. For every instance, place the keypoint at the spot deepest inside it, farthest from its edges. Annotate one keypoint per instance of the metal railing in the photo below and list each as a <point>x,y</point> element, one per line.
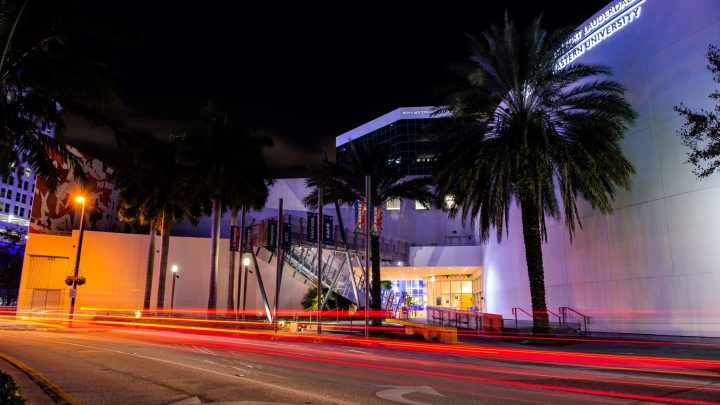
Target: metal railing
<point>391,249</point>
<point>585,319</point>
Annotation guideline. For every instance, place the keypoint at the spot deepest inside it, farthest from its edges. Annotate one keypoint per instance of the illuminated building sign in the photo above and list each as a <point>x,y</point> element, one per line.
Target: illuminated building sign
<point>602,27</point>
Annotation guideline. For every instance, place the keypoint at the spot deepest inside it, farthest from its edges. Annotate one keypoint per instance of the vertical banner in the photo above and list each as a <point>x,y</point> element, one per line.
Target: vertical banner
<point>249,240</point>
<point>359,216</point>
<point>311,234</point>
<point>376,225</point>
<point>327,235</point>
<point>286,236</point>
<point>234,238</point>
<point>272,225</point>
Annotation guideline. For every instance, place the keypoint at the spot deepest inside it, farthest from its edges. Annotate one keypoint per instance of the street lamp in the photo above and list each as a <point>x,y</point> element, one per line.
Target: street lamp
<point>73,290</point>
<point>175,277</point>
<point>246,264</point>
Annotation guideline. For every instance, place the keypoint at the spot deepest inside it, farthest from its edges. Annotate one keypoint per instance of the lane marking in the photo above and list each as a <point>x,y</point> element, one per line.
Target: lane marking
<point>395,393</point>
<point>318,397</point>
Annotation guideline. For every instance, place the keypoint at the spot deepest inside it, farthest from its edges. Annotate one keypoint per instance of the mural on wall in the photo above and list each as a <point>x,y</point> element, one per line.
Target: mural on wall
<point>58,212</point>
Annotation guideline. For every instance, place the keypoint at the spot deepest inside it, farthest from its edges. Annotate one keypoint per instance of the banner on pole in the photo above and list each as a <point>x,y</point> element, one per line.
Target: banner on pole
<point>286,236</point>
<point>311,234</point>
<point>272,234</point>
<point>234,238</point>
<point>327,235</point>
<point>249,240</point>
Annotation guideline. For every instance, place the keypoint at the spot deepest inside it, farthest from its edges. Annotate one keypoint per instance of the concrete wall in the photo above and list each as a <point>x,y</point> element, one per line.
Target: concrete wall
<point>422,227</point>
<point>115,266</point>
<point>445,256</point>
<point>653,266</point>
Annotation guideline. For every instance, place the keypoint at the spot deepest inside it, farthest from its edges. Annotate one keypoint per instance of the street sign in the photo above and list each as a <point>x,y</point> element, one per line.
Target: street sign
<point>286,236</point>
<point>271,234</point>
<point>234,238</point>
<point>328,236</point>
<point>311,234</point>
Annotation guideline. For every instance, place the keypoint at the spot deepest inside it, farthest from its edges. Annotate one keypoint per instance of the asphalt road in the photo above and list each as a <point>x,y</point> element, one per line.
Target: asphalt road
<point>121,366</point>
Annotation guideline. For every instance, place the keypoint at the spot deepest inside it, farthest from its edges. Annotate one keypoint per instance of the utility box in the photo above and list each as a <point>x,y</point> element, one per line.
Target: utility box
<point>492,323</point>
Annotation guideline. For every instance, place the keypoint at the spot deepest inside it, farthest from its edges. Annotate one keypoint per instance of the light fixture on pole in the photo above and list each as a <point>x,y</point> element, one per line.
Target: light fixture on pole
<point>246,265</point>
<point>73,289</point>
<point>176,276</point>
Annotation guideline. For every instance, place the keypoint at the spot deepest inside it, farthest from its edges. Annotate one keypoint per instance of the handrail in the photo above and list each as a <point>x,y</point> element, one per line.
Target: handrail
<point>586,319</point>
<point>560,321</point>
<point>515,313</point>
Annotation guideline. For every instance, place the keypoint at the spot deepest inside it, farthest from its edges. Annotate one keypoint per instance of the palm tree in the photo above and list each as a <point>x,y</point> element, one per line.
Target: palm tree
<point>344,182</point>
<point>46,74</point>
<point>527,132</point>
<point>155,189</point>
<point>228,160</point>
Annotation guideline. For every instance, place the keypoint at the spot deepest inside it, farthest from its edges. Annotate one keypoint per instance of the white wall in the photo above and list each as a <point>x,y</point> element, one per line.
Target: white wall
<point>653,266</point>
<point>114,265</point>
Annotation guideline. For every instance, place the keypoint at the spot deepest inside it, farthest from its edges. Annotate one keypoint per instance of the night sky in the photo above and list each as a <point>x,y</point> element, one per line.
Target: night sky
<point>305,71</point>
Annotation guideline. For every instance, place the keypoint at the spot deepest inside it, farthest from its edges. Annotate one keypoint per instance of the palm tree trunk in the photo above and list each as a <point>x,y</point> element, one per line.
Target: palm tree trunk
<point>375,290</point>
<point>231,272</point>
<point>150,268</point>
<point>164,250</point>
<point>214,254</point>
<point>533,257</point>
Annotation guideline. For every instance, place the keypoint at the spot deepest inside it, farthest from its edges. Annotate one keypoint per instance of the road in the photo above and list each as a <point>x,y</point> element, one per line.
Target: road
<point>126,366</point>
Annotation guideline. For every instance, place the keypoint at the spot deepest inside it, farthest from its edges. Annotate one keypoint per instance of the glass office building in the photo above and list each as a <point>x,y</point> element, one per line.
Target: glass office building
<point>405,132</point>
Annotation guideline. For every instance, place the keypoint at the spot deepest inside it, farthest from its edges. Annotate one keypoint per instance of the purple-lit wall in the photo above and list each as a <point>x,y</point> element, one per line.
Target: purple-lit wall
<point>653,266</point>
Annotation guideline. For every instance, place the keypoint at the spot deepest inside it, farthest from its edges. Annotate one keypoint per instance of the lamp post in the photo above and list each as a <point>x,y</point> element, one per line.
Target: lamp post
<point>246,264</point>
<point>73,289</point>
<point>172,295</point>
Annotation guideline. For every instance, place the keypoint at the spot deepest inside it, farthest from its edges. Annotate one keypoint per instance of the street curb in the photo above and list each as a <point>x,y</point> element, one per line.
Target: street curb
<point>55,392</point>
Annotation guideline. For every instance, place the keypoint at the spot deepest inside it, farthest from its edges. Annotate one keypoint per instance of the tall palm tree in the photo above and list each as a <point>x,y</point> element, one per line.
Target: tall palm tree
<point>527,132</point>
<point>344,182</point>
<point>155,189</point>
<point>228,160</point>
<point>48,72</point>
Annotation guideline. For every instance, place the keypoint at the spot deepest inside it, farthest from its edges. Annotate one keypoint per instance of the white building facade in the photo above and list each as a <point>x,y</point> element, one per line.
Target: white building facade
<point>653,266</point>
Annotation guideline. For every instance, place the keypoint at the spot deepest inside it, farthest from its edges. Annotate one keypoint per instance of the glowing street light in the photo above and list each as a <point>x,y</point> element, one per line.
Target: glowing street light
<point>246,264</point>
<point>73,290</point>
<point>176,276</point>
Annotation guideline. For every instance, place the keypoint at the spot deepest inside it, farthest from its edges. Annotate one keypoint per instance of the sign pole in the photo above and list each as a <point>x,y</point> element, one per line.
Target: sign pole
<point>278,274</point>
<point>320,229</point>
<point>368,228</point>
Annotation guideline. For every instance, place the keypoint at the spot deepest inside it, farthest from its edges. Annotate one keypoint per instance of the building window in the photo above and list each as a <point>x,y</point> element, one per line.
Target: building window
<point>449,201</point>
<point>15,210</point>
<point>7,208</point>
<point>393,205</point>
<point>420,206</point>
<point>22,212</point>
<point>17,197</point>
<point>2,193</point>
<point>11,180</point>
<point>23,199</point>
<point>25,185</point>
<point>27,172</point>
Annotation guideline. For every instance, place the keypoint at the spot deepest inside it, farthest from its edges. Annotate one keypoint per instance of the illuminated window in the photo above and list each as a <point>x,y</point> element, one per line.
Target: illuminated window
<point>393,205</point>
<point>449,201</point>
<point>420,206</point>
<point>27,172</point>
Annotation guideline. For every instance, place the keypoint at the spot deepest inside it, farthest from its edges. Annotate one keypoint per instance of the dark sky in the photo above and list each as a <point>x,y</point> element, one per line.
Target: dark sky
<point>306,71</point>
